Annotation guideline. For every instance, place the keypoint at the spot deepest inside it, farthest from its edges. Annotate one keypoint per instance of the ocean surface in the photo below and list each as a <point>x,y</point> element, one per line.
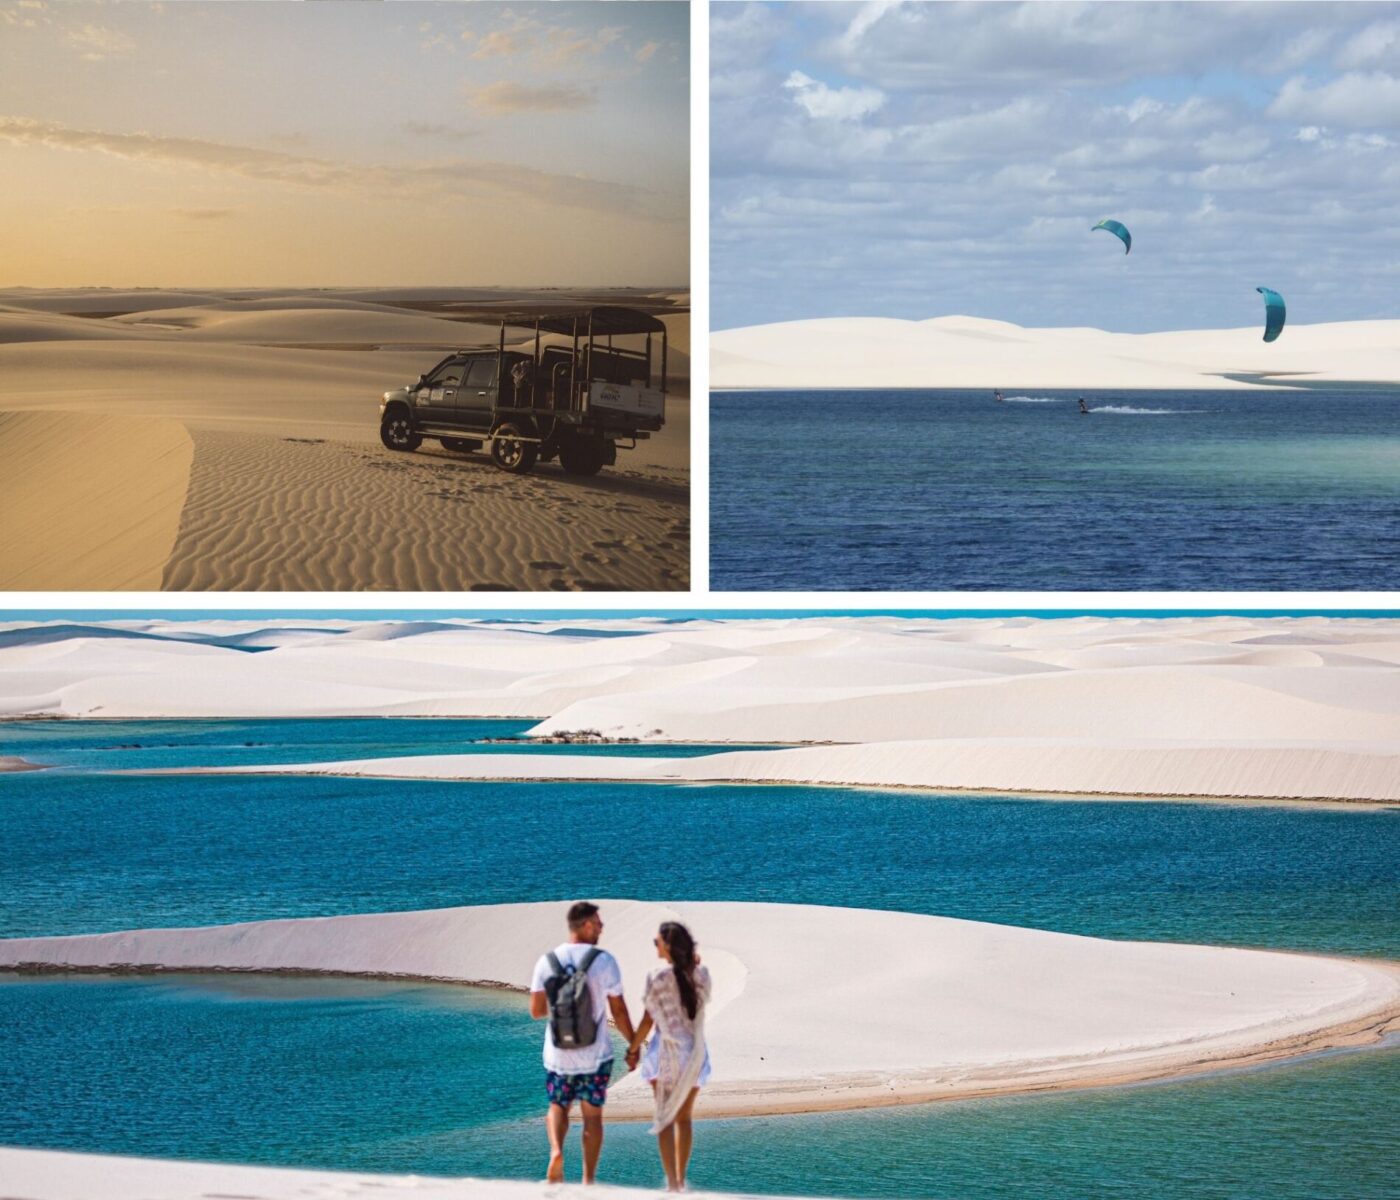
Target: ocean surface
<point>275,1070</point>
<point>1158,491</point>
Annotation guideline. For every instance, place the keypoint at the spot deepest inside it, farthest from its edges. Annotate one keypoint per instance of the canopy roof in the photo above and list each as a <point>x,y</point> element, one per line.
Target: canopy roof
<point>605,320</point>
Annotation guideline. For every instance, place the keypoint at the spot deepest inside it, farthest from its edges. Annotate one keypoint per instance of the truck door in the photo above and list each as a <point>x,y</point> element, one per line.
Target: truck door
<point>436,397</point>
<point>476,399</point>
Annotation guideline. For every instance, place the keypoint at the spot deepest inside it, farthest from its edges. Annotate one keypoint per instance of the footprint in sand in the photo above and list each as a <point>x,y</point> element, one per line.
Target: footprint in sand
<point>608,545</point>
<point>546,565</point>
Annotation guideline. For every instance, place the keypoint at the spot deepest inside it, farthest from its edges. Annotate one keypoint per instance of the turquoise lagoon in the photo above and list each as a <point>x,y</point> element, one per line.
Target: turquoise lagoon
<point>277,1070</point>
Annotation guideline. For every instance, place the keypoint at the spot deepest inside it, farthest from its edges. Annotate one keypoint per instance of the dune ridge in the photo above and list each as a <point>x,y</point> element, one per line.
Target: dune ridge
<point>1014,1009</point>
<point>970,352</point>
<point>89,501</point>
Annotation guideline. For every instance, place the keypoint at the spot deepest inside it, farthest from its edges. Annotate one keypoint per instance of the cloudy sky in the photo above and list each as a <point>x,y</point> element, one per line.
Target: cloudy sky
<point>918,160</point>
<point>195,144</point>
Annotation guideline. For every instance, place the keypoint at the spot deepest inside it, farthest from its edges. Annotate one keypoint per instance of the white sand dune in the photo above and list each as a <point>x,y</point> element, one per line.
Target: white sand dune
<point>62,1175</point>
<point>289,488</point>
<point>1278,708</point>
<point>1221,770</point>
<point>969,352</point>
<point>89,501</point>
<point>896,1008</point>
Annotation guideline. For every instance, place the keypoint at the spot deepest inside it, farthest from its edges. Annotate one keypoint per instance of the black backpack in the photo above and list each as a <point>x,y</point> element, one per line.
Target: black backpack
<point>571,1019</point>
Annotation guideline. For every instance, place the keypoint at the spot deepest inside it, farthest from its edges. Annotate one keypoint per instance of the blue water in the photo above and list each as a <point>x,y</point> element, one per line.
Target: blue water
<point>152,745</point>
<point>99,852</point>
<point>276,1070</point>
<point>1169,491</point>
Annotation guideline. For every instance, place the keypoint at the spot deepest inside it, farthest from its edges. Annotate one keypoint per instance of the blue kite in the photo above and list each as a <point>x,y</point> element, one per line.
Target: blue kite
<point>1119,230</point>
<point>1274,313</point>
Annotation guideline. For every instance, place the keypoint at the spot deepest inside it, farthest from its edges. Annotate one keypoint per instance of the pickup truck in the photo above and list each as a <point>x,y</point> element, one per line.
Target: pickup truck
<point>592,382</point>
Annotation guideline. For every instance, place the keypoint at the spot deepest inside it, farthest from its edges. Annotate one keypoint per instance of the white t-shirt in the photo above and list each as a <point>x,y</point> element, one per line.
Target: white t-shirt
<point>604,980</point>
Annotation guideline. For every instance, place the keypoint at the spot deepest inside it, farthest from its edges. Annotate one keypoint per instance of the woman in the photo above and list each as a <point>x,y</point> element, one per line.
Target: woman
<point>676,1064</point>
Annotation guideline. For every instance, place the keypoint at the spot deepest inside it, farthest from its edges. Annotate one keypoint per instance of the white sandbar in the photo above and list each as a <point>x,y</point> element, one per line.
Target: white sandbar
<point>830,1008</point>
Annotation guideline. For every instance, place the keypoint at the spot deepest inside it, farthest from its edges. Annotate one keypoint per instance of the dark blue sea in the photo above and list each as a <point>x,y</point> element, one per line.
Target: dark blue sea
<point>398,1077</point>
<point>1152,491</point>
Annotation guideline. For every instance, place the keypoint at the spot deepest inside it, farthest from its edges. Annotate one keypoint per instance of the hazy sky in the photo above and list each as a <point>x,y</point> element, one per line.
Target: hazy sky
<point>919,160</point>
<point>187,144</point>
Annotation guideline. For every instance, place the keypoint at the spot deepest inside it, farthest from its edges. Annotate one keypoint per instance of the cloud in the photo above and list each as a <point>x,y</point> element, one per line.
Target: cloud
<point>1357,99</point>
<point>832,104</point>
<point>95,43</point>
<point>427,181</point>
<point>1377,43</point>
<point>544,44</point>
<point>429,129</point>
<point>499,43</point>
<point>511,97</point>
<point>564,45</point>
<point>960,45</point>
<point>646,50</point>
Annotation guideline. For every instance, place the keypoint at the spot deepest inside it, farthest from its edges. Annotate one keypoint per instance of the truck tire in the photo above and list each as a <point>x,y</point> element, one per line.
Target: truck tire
<point>510,453</point>
<point>460,445</point>
<point>582,456</point>
<point>396,431</point>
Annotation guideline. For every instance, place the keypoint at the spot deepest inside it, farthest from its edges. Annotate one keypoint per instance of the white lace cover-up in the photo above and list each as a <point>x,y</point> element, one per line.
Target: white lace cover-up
<point>676,1058</point>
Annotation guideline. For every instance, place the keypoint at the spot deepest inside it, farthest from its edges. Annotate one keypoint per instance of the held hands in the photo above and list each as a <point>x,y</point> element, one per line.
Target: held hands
<point>632,1057</point>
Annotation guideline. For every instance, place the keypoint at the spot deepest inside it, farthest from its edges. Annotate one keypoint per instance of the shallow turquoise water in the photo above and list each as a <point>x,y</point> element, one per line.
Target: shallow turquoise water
<point>90,852</point>
<point>276,1071</point>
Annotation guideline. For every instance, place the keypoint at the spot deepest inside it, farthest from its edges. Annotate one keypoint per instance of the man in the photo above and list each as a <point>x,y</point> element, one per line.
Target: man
<point>581,1073</point>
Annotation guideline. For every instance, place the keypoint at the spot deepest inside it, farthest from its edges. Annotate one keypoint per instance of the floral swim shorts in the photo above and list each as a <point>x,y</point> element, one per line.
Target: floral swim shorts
<point>591,1088</point>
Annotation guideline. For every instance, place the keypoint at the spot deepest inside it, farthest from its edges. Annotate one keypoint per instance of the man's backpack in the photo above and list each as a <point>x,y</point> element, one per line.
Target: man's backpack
<point>571,1019</point>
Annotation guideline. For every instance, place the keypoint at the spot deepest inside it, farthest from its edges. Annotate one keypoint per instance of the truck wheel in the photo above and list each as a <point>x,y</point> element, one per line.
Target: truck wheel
<point>582,456</point>
<point>510,453</point>
<point>396,431</point>
<point>460,445</point>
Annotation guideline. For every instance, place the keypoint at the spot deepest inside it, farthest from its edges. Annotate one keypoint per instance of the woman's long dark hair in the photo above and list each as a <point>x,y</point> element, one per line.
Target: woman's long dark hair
<point>682,948</point>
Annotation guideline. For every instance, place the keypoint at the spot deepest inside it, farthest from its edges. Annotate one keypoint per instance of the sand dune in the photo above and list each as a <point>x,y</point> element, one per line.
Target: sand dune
<point>89,501</point>
<point>1348,772</point>
<point>969,352</point>
<point>289,487</point>
<point>1266,707</point>
<point>898,1008</point>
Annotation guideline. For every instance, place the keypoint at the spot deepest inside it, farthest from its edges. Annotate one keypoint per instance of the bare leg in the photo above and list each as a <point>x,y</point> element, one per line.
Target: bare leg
<point>666,1147</point>
<point>592,1139</point>
<point>683,1136</point>
<point>556,1121</point>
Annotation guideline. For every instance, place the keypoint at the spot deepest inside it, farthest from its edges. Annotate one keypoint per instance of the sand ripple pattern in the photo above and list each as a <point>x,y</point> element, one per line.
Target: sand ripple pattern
<point>306,514</point>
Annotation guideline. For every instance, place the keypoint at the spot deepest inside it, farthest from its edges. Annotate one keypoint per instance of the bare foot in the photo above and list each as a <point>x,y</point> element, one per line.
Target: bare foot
<point>555,1174</point>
